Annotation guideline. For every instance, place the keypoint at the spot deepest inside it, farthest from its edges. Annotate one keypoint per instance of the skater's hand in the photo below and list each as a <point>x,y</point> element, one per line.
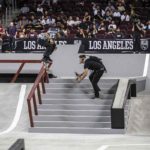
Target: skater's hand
<point>78,79</point>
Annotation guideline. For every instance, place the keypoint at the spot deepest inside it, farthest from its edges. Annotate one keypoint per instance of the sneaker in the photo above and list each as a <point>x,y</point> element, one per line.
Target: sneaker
<point>94,97</point>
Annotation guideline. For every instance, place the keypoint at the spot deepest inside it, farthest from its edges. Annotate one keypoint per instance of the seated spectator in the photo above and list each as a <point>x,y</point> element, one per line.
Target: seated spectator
<point>87,17</point>
<point>32,33</point>
<point>39,9</point>
<point>118,34</point>
<point>38,26</point>
<point>102,27</point>
<point>63,31</point>
<point>112,26</point>
<point>148,25</point>
<point>110,8</point>
<point>117,14</point>
<point>70,21</point>
<point>45,20</point>
<point>25,9</point>
<point>121,7</point>
<point>94,31</point>
<point>77,21</point>
<point>47,2</point>
<point>83,25</point>
<point>108,16</point>
<point>22,34</point>
<point>33,20</point>
<point>125,17</point>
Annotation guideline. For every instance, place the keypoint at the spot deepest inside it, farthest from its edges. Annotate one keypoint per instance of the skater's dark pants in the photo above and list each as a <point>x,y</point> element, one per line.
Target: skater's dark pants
<point>48,51</point>
<point>94,78</point>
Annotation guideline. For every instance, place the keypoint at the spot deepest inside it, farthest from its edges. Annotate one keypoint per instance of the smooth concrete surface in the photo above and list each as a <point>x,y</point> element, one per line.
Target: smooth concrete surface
<point>9,94</point>
<point>139,121</point>
<point>77,142</point>
<point>66,62</point>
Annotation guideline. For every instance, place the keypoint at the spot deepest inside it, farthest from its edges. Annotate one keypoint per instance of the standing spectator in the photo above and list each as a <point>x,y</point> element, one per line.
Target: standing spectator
<point>11,33</point>
<point>80,33</point>
<point>2,33</point>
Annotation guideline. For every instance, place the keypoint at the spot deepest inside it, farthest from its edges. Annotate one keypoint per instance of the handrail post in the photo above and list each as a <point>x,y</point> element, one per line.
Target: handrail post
<point>39,94</point>
<point>43,86</point>
<point>35,105</point>
<point>30,113</point>
<point>17,73</point>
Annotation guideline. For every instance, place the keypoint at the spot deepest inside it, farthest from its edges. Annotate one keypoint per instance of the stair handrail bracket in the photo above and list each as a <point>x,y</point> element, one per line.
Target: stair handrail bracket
<point>125,90</point>
<point>37,89</point>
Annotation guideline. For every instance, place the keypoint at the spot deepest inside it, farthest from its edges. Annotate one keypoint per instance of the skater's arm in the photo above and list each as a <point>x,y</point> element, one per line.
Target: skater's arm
<point>83,75</point>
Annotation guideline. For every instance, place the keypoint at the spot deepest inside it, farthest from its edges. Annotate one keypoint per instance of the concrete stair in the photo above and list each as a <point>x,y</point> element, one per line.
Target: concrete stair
<point>68,107</point>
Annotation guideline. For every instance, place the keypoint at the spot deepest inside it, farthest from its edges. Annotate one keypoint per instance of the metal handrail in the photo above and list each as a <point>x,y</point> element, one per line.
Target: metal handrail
<point>41,78</point>
<point>23,62</point>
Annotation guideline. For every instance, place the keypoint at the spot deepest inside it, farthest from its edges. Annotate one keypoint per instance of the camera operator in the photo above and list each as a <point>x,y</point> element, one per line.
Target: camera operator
<point>138,32</point>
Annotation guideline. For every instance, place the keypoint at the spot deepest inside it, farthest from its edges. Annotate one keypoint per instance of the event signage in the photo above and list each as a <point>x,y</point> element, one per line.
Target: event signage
<point>86,45</point>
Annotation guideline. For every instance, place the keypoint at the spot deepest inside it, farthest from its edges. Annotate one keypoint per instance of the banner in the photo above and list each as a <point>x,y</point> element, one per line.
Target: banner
<point>86,45</point>
<point>115,46</point>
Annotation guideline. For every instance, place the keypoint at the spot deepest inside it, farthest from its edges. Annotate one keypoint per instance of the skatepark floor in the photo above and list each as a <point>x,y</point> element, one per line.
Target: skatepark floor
<point>136,138</point>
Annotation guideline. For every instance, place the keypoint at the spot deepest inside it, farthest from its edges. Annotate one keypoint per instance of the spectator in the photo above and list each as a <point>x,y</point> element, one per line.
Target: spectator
<point>87,17</point>
<point>112,26</point>
<point>81,33</point>
<point>102,27</point>
<point>70,21</point>
<point>118,34</point>
<point>11,33</point>
<point>32,33</point>
<point>40,9</point>
<point>121,7</point>
<point>110,8</point>
<point>148,25</point>
<point>25,9</point>
<point>94,31</point>
<point>125,17</point>
<point>2,33</point>
<point>117,14</point>
<point>77,21</point>
<point>47,1</point>
<point>22,34</point>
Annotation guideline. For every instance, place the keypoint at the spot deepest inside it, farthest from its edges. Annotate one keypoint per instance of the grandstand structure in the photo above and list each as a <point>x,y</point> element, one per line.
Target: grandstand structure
<point>38,111</point>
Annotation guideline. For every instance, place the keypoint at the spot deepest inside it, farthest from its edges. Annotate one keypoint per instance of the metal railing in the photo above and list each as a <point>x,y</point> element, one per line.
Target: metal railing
<point>35,93</point>
<point>23,62</point>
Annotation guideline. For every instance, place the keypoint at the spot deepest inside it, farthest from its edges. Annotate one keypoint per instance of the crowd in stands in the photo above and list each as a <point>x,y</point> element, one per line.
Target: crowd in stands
<point>82,18</point>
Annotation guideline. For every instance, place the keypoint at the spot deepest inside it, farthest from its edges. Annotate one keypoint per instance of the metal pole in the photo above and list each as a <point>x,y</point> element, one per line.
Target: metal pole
<point>6,16</point>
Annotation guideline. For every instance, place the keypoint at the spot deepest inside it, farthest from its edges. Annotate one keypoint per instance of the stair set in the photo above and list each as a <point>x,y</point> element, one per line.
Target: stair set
<point>68,107</point>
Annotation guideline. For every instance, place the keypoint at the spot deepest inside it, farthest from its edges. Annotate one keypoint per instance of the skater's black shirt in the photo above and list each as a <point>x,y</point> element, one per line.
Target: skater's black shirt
<point>50,47</point>
<point>98,69</point>
<point>93,65</point>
